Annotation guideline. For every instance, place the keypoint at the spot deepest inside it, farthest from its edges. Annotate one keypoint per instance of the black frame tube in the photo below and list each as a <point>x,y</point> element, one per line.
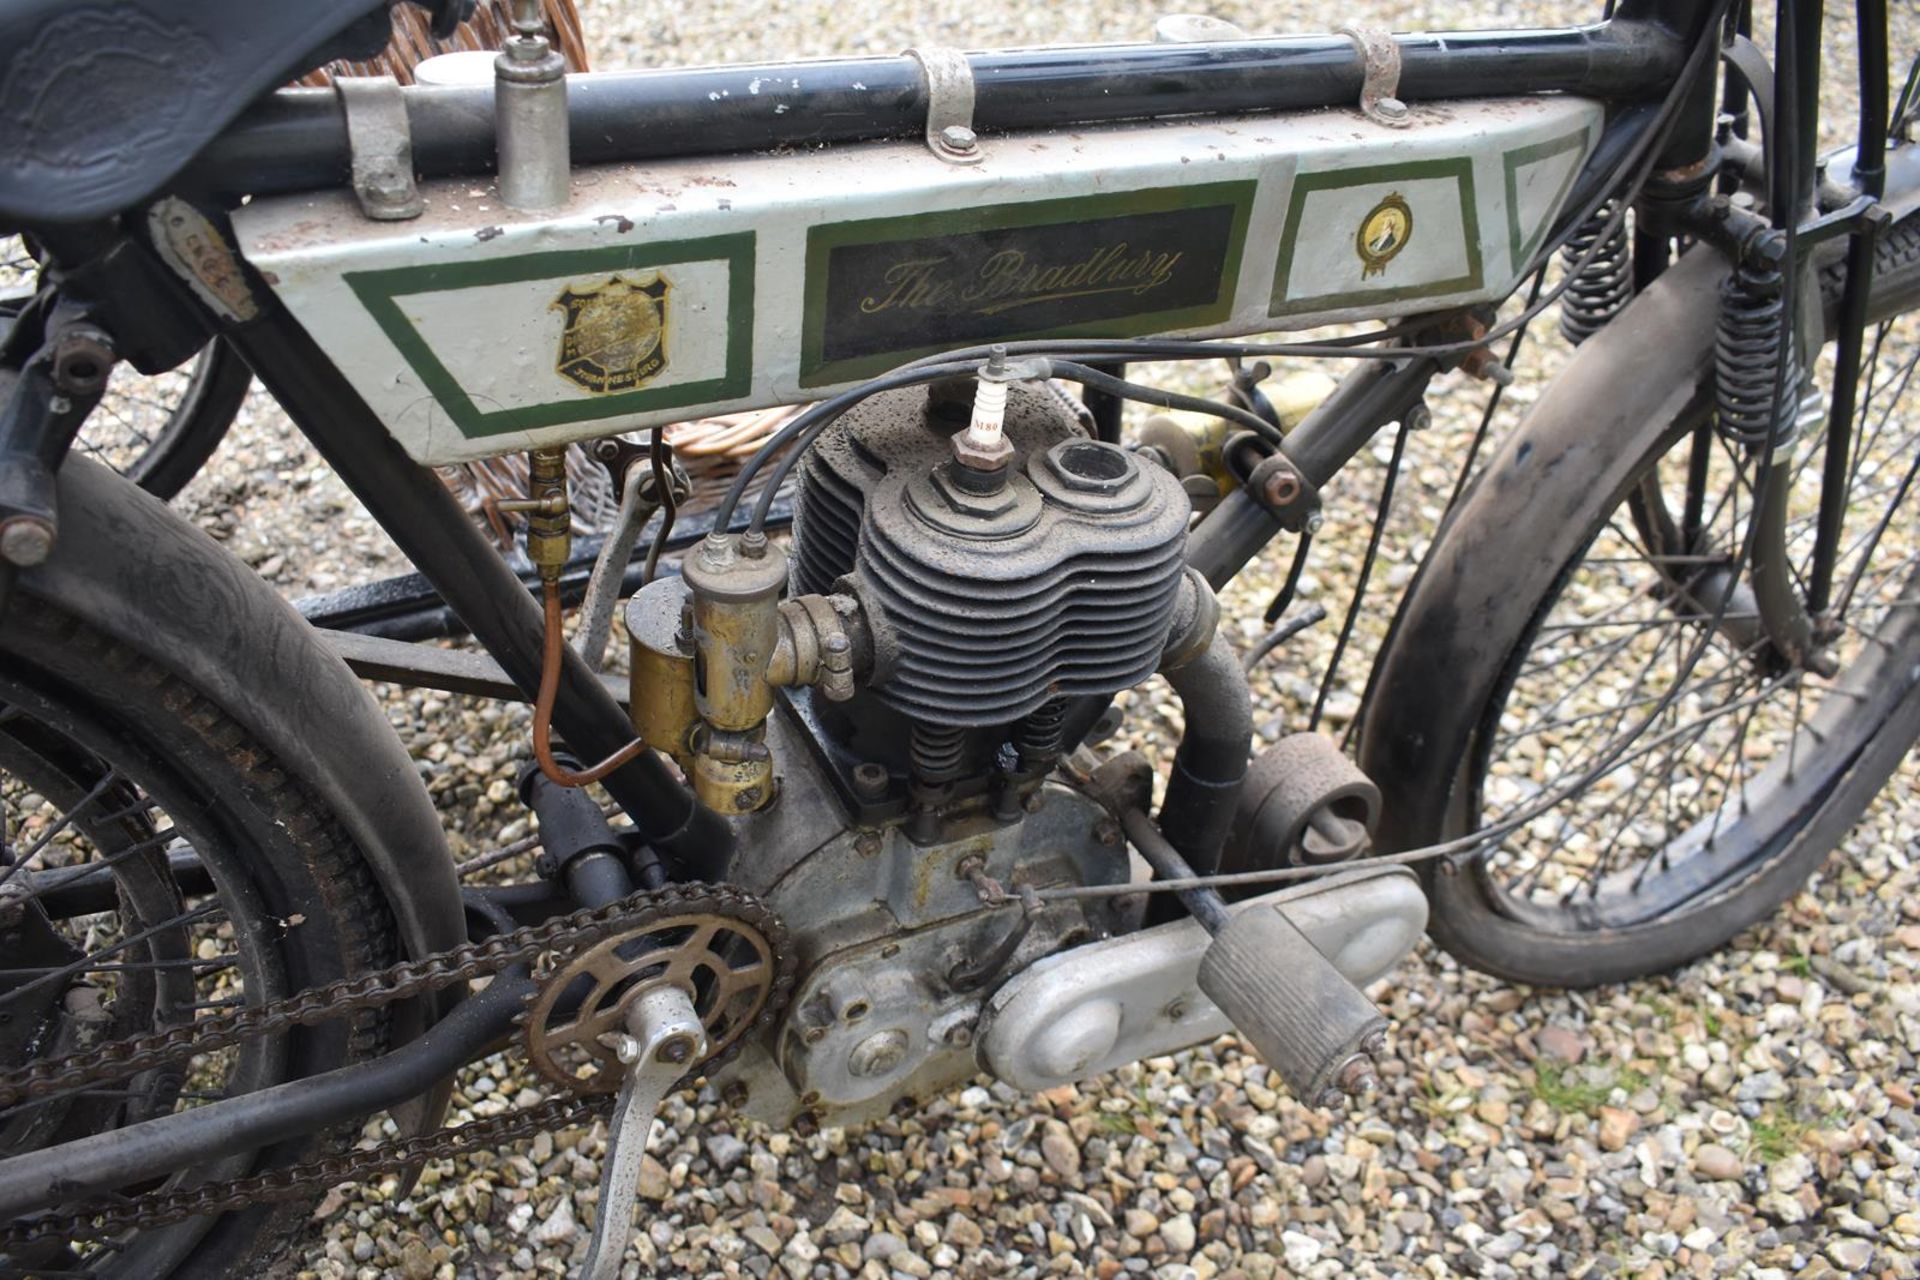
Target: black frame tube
<point>296,139</point>
<point>1370,396</point>
<point>105,1161</point>
<point>416,510</point>
<point>1870,173</point>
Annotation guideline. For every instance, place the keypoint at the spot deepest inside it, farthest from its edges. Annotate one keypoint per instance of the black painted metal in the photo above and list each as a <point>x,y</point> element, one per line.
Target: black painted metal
<point>1105,406</point>
<point>427,666</point>
<point>1685,23</point>
<point>406,607</point>
<point>413,506</point>
<point>1370,396</point>
<point>1870,173</point>
<point>296,139</point>
<point>105,1161</point>
<point>1203,789</point>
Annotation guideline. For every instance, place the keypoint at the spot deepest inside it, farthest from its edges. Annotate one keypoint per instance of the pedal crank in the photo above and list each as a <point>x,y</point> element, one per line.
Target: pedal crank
<point>664,1036</point>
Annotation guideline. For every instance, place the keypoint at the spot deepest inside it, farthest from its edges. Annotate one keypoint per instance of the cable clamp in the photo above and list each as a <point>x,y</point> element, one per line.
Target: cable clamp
<point>381,147</point>
<point>949,78</point>
<point>1380,83</point>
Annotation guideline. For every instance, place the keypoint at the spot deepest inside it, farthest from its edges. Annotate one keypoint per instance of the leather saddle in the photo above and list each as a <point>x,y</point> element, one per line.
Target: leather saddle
<point>103,101</point>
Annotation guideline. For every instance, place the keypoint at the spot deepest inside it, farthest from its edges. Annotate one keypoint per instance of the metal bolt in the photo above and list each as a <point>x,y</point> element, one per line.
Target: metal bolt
<point>960,1035</point>
<point>1357,1076</point>
<point>1391,108</point>
<point>867,843</point>
<point>627,1049</point>
<point>1315,520</point>
<point>1107,831</point>
<point>676,1050</point>
<point>735,1094</point>
<point>1419,418</point>
<point>1282,488</point>
<point>878,1054</point>
<point>1176,1010</point>
<point>869,779</point>
<point>959,139</point>
<point>26,541</point>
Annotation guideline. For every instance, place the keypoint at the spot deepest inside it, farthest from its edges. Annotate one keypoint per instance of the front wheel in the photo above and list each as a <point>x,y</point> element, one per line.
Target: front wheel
<point>157,863</point>
<point>1682,781</point>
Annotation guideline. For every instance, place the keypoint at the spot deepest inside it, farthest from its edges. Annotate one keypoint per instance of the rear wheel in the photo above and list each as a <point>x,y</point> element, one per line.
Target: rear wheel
<point>1690,780</point>
<point>158,864</point>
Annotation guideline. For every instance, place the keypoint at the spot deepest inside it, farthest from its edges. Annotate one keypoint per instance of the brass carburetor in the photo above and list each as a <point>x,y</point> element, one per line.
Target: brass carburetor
<point>710,647</point>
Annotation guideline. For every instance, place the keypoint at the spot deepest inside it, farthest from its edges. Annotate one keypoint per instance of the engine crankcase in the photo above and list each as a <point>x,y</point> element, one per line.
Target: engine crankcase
<point>890,935</point>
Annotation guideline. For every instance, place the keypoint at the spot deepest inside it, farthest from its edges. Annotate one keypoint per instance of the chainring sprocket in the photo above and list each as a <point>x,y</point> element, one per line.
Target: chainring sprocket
<point>719,945</point>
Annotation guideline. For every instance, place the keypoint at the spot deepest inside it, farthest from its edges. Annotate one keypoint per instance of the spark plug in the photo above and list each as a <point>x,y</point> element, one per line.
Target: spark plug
<point>981,452</point>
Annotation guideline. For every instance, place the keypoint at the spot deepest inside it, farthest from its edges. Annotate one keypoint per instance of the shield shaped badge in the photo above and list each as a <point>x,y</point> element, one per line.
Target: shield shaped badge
<point>615,333</point>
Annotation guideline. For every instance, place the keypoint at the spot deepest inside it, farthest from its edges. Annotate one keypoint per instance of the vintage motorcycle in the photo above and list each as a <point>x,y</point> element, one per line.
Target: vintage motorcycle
<point>861,843</point>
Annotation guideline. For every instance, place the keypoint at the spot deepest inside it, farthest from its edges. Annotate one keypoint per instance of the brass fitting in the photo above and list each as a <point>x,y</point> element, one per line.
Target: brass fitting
<point>660,629</point>
<point>548,511</point>
<point>736,585</point>
<point>732,772</point>
<point>820,644</point>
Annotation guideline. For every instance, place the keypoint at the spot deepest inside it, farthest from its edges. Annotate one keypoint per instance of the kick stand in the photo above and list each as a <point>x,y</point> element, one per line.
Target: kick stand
<point>664,1037</point>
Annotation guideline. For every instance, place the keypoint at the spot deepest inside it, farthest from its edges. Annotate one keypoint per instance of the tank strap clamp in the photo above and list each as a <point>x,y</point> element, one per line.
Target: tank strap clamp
<point>949,78</point>
<point>1380,85</point>
<point>381,147</point>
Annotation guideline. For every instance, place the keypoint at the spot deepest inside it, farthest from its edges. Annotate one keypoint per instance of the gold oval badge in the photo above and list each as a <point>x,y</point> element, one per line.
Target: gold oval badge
<point>1383,233</point>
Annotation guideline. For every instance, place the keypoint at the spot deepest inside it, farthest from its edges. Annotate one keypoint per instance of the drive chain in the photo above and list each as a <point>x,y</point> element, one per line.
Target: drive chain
<point>401,981</point>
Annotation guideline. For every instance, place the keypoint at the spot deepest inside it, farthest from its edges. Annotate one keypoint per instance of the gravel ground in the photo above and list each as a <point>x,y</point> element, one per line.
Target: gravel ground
<point>1752,1114</point>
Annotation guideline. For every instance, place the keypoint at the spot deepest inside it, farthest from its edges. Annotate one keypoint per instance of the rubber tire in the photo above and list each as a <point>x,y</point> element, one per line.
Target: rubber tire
<point>1547,487</point>
<point>298,862</point>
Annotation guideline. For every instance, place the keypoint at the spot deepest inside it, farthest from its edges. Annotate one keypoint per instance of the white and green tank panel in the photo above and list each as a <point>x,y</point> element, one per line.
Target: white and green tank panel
<point>678,288</point>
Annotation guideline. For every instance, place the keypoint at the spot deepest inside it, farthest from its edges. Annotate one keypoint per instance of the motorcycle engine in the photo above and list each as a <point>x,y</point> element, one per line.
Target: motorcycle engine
<point>983,617</point>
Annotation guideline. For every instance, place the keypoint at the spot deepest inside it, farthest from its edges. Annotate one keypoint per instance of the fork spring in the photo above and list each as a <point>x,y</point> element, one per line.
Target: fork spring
<point>1602,287</point>
<point>1746,362</point>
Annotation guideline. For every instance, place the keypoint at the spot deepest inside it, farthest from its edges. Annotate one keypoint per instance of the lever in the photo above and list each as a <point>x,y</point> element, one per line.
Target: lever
<point>664,1037</point>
